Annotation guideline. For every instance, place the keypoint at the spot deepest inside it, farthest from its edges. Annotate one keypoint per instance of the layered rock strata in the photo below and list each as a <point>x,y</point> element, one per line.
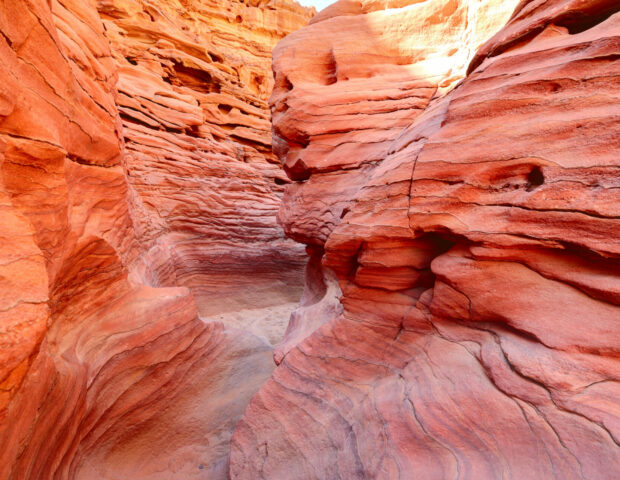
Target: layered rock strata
<point>194,79</point>
<point>106,370</point>
<point>473,234</point>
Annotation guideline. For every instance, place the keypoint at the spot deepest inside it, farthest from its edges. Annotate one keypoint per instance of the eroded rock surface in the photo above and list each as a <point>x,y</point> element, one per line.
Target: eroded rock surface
<point>106,369</point>
<point>473,232</point>
<point>194,79</point>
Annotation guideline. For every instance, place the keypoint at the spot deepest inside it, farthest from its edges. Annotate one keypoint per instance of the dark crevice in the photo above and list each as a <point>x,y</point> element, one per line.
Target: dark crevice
<point>171,129</point>
<point>82,161</point>
<point>298,171</point>
<point>286,83</point>
<point>193,131</point>
<point>555,87</point>
<point>127,117</point>
<point>580,251</point>
<point>6,38</point>
<point>256,83</point>
<point>331,74</point>
<point>225,109</point>
<point>215,58</point>
<point>198,80</point>
<point>535,179</point>
<point>441,243</point>
<point>578,22</point>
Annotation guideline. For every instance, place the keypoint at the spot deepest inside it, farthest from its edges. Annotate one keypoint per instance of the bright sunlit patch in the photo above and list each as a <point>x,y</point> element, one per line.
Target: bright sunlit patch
<point>318,4</point>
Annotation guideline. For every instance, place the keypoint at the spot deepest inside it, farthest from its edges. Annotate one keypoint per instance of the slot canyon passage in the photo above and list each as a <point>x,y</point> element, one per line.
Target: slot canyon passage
<point>438,297</point>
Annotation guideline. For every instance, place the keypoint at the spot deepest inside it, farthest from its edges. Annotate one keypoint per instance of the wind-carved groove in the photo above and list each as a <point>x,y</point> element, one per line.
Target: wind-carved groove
<point>574,21</point>
<point>6,39</point>
<point>198,80</point>
<point>516,398</point>
<point>522,39</point>
<point>215,58</point>
<point>82,161</point>
<point>126,116</point>
<point>331,69</point>
<point>283,82</point>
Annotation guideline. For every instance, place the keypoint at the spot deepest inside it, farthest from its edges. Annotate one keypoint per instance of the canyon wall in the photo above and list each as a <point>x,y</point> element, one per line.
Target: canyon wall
<point>121,210</point>
<point>460,197</point>
<point>194,79</point>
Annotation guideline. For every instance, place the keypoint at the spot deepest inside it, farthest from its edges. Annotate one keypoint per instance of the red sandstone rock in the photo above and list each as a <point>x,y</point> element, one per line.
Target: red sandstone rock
<point>104,373</point>
<point>339,103</point>
<point>476,249</point>
<point>205,186</point>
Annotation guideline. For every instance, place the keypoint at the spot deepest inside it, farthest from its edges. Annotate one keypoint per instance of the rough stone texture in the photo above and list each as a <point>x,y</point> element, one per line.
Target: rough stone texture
<point>194,79</point>
<point>365,72</point>
<point>106,370</point>
<point>476,249</point>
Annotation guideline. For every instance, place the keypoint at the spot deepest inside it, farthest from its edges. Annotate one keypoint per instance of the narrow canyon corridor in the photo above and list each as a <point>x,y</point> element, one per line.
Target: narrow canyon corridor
<point>243,239</point>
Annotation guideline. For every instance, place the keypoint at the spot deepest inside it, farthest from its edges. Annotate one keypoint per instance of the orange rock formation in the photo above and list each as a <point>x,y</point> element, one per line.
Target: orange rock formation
<point>455,180</point>
<point>135,162</point>
<point>472,228</point>
<point>194,79</point>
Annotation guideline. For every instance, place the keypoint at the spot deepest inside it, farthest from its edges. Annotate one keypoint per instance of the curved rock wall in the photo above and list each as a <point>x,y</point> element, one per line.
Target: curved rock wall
<point>473,233</point>
<point>194,78</point>
<point>106,370</point>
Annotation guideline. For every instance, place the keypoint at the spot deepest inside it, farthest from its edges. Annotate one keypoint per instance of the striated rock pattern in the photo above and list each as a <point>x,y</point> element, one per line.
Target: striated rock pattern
<point>194,79</point>
<point>366,71</point>
<point>476,248</point>
<point>106,369</point>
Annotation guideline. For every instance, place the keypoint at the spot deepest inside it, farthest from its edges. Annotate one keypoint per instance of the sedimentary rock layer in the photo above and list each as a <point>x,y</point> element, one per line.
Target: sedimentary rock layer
<point>106,370</point>
<point>194,79</point>
<point>476,250</point>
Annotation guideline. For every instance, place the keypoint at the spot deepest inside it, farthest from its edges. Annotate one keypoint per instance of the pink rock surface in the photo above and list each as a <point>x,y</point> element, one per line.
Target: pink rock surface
<point>474,237</point>
<point>106,369</point>
<point>193,85</point>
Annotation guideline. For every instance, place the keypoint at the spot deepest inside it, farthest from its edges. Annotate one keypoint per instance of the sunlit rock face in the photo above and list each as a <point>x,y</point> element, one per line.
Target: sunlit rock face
<point>472,229</point>
<point>107,200</point>
<point>365,72</point>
